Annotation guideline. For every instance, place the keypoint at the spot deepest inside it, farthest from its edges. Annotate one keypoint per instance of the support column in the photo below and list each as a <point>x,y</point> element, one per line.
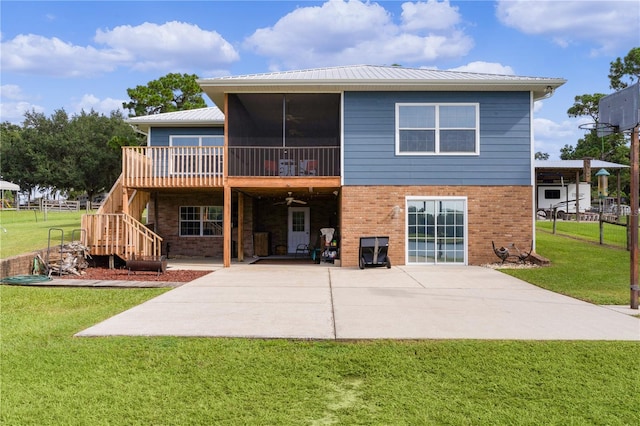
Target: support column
<point>226,228</point>
<point>240,243</point>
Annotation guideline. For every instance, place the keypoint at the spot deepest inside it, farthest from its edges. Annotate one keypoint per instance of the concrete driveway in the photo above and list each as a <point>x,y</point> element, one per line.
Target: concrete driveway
<point>404,302</point>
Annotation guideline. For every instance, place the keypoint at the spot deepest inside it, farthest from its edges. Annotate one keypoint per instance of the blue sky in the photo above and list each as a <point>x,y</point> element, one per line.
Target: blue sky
<point>85,54</point>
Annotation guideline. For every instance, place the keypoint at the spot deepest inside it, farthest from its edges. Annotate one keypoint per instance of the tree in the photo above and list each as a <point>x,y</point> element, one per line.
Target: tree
<point>628,67</point>
<point>81,153</point>
<point>16,157</point>
<point>586,105</point>
<point>92,134</point>
<point>541,155</point>
<point>173,92</point>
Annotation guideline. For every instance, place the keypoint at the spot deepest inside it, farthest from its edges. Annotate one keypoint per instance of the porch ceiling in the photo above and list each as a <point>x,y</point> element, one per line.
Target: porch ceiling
<point>300,193</point>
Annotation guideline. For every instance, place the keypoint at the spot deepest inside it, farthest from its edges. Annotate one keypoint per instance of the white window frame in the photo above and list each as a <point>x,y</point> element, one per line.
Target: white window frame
<point>202,221</point>
<point>465,202</point>
<point>437,128</point>
<point>199,137</point>
<point>189,156</point>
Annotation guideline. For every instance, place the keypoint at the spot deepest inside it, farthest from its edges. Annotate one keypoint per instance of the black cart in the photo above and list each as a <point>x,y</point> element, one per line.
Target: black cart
<point>373,252</point>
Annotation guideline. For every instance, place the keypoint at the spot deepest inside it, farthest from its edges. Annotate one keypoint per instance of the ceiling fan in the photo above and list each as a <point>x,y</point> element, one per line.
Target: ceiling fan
<point>289,200</point>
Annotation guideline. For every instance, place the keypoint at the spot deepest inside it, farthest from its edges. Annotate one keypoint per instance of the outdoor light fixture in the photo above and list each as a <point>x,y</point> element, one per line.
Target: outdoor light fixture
<point>603,183</point>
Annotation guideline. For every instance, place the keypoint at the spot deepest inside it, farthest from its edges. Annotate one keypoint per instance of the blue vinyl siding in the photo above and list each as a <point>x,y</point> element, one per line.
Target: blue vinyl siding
<point>369,142</point>
<point>159,136</point>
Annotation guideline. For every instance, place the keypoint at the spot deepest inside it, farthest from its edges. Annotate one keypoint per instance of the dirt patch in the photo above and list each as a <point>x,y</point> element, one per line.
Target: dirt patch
<point>180,276</point>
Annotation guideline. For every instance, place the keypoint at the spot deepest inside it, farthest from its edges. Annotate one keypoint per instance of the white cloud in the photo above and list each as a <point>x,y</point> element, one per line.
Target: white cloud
<point>13,112</point>
<point>11,91</point>
<point>90,102</point>
<point>172,46</point>
<point>35,54</point>
<point>551,136</point>
<point>432,15</point>
<point>608,24</point>
<point>14,103</point>
<point>351,32</point>
<point>486,68</point>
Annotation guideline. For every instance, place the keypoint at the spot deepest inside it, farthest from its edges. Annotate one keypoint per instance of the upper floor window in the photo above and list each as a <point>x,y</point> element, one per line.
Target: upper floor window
<point>195,155</point>
<point>196,140</point>
<point>437,129</point>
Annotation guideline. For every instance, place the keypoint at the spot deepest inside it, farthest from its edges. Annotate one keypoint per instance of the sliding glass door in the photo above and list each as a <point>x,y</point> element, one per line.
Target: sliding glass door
<point>436,230</point>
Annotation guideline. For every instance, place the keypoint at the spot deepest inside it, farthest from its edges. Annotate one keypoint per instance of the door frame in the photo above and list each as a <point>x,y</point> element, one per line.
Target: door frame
<point>464,199</point>
<point>299,237</point>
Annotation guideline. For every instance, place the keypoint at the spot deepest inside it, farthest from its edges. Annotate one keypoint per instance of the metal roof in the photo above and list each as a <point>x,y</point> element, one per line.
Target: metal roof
<point>200,117</point>
<point>374,78</point>
<point>8,186</point>
<point>576,164</point>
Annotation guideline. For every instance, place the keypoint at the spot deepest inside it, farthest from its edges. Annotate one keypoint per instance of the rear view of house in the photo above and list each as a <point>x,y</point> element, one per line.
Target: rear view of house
<point>428,158</point>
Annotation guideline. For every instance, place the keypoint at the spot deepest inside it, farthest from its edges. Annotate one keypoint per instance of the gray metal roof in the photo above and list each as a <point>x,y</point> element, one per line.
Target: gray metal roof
<point>576,164</point>
<point>200,117</point>
<point>374,78</point>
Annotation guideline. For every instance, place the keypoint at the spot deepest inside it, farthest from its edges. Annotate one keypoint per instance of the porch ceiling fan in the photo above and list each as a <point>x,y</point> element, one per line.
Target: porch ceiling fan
<point>289,200</point>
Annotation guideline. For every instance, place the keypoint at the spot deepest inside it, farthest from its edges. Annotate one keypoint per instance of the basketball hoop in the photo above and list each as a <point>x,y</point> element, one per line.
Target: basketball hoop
<point>601,129</point>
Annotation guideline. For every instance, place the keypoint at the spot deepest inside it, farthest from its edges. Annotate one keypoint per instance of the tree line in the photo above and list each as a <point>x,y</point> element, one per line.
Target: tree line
<point>82,153</point>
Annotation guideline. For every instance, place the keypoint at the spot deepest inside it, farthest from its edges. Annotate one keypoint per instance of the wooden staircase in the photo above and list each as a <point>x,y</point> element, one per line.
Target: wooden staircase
<point>110,231</point>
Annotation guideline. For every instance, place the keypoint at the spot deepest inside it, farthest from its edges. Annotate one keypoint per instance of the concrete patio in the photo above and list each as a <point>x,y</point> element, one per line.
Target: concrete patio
<point>404,302</point>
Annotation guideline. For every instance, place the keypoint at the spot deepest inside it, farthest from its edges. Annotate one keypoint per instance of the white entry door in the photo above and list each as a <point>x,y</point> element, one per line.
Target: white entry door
<point>298,227</point>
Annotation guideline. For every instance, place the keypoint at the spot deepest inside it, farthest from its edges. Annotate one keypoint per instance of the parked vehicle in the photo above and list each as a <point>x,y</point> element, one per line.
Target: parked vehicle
<point>563,199</point>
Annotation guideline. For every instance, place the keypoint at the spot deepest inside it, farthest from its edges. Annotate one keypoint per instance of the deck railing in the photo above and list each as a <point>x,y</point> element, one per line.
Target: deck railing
<point>193,166</point>
<point>121,235</point>
<point>284,161</point>
<point>177,166</point>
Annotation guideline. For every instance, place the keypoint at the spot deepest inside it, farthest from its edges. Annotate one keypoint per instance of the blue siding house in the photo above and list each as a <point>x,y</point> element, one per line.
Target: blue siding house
<point>440,162</point>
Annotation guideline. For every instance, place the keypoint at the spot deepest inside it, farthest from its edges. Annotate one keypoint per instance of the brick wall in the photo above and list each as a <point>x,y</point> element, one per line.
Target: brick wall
<point>495,213</point>
<point>168,220</point>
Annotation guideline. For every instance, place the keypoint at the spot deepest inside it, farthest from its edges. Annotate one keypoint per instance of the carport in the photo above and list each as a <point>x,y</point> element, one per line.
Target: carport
<point>574,171</point>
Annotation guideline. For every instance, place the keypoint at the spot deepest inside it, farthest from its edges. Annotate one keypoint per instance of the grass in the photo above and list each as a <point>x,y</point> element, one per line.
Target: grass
<point>597,274</point>
<point>51,378</point>
<point>614,235</point>
<point>28,230</point>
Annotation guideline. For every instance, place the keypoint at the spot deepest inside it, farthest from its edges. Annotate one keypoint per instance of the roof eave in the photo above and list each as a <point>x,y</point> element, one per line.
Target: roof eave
<point>540,88</point>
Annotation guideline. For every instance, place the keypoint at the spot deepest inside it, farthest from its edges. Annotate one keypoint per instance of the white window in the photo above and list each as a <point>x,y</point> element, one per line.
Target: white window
<point>446,129</point>
<point>436,230</point>
<point>176,140</point>
<point>194,155</point>
<point>201,221</point>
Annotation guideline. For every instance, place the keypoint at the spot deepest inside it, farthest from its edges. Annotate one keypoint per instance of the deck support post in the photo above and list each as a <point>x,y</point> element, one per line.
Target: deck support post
<point>240,226</point>
<point>226,228</point>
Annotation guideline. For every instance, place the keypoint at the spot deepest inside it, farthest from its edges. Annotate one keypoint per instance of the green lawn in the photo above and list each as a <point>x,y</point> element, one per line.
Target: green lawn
<point>614,235</point>
<point>27,230</point>
<point>583,270</point>
<point>52,378</point>
<point>49,377</point>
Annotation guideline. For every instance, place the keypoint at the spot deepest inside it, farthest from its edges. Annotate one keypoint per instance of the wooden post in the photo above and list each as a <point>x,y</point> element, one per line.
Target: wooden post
<point>577,197</point>
<point>240,243</point>
<point>226,228</point>
<point>633,223</point>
